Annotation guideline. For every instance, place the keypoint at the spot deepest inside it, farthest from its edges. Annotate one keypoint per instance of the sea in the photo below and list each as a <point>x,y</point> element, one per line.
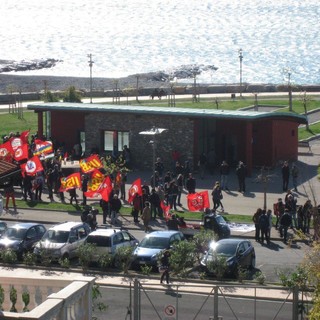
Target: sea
<point>279,39</point>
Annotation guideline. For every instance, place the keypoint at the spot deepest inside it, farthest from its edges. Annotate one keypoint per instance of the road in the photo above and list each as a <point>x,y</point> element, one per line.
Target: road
<point>168,304</point>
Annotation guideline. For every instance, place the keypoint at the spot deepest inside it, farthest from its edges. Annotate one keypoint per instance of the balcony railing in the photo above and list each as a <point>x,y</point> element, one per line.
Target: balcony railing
<point>51,298</point>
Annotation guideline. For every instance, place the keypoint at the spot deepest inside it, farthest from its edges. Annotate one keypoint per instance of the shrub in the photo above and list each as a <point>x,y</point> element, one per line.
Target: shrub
<point>105,261</point>
<point>260,277</point>
<point>218,266</point>
<point>9,256</point>
<point>29,258</point>
<point>85,253</point>
<point>64,263</point>
<point>123,258</point>
<point>182,258</point>
<point>201,241</point>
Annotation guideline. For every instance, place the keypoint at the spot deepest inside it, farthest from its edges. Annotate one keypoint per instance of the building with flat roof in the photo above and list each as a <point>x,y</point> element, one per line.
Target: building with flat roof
<point>256,138</point>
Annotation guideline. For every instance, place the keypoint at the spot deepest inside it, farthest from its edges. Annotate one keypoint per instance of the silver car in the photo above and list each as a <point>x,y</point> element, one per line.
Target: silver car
<point>62,240</point>
<point>109,240</point>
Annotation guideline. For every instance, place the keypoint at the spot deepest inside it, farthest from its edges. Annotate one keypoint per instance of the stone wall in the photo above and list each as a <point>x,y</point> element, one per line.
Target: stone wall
<point>179,136</point>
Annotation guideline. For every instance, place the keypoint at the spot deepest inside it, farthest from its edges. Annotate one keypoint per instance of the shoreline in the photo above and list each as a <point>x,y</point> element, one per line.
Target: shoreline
<point>38,83</point>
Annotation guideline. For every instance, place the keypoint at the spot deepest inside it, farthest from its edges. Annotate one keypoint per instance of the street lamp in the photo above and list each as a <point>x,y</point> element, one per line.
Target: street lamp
<point>288,73</point>
<point>240,59</point>
<point>90,66</point>
<point>153,132</point>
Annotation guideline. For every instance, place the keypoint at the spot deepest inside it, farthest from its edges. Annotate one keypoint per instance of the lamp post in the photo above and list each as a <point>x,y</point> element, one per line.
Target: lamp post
<point>153,132</point>
<point>288,72</point>
<point>240,60</point>
<point>90,66</point>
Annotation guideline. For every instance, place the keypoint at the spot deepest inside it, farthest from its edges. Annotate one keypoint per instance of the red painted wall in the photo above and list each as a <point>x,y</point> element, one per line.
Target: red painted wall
<point>65,127</point>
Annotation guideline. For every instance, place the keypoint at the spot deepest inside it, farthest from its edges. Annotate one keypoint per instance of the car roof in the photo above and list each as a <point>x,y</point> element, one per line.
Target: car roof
<point>66,226</point>
<point>163,233</point>
<point>25,225</point>
<point>232,240</point>
<point>105,232</point>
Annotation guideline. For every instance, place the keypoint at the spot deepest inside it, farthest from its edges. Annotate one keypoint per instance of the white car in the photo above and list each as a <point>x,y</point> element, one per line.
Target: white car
<point>109,240</point>
<point>62,240</point>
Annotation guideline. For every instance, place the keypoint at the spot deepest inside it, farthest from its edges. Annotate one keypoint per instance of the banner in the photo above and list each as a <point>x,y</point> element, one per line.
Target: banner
<point>198,201</point>
<point>104,189</point>
<point>31,167</point>
<point>24,136</point>
<point>21,153</point>
<point>42,148</point>
<point>135,188</point>
<point>72,181</point>
<point>6,152</point>
<point>166,211</point>
<point>91,163</point>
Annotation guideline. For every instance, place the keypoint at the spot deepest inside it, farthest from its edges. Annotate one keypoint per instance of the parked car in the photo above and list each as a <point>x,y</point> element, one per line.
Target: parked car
<point>3,228</point>
<point>21,237</point>
<point>62,240</point>
<point>109,240</point>
<point>152,244</point>
<point>237,252</point>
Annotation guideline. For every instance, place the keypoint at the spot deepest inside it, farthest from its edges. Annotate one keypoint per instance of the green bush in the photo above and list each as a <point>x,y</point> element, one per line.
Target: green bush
<point>218,266</point>
<point>105,261</point>
<point>123,258</point>
<point>201,241</point>
<point>85,253</point>
<point>9,256</point>
<point>29,258</point>
<point>182,258</point>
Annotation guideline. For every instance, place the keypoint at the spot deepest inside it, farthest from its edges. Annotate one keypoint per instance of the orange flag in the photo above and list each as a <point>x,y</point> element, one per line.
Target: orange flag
<point>72,181</point>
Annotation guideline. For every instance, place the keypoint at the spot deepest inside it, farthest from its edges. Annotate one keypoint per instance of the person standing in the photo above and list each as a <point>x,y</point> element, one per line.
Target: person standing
<point>264,226</point>
<point>9,193</point>
<point>217,196</point>
<point>255,220</point>
<point>241,174</point>
<point>285,223</point>
<point>191,184</point>
<point>146,216</point>
<point>295,175</point>
<point>155,204</point>
<point>269,215</point>
<point>165,266</point>
<point>136,207</point>
<point>84,188</point>
<point>278,209</point>
<point>224,173</point>
<point>285,171</point>
<point>115,206</point>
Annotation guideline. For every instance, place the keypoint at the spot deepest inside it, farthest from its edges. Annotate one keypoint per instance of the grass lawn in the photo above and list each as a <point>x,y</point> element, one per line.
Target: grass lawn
<point>126,211</point>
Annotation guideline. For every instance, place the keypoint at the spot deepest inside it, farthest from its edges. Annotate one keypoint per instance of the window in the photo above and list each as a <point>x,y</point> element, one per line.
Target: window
<point>115,140</point>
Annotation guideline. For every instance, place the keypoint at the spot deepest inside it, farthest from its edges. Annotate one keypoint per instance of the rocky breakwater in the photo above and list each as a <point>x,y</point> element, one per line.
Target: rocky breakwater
<point>24,65</point>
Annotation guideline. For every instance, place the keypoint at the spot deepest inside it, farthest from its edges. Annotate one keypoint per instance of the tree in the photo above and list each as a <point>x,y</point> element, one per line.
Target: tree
<point>71,95</point>
<point>305,100</point>
<point>50,97</point>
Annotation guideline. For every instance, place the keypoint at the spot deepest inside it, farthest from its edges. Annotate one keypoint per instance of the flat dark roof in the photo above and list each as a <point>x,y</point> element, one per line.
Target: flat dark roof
<point>169,111</point>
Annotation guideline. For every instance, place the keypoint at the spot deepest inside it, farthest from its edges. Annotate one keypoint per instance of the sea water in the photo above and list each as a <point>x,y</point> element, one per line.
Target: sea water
<point>279,38</point>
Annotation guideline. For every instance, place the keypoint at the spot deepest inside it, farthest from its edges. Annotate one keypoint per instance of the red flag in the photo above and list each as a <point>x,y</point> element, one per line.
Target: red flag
<point>16,142</point>
<point>21,153</point>
<point>72,181</point>
<point>166,211</point>
<point>135,188</point>
<point>31,167</point>
<point>6,151</point>
<point>24,136</point>
<point>198,201</point>
<point>90,164</point>
<point>104,189</point>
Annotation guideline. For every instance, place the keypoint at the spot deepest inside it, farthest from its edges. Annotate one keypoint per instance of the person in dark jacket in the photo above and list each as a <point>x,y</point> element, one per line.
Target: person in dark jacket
<point>154,200</point>
<point>115,206</point>
<point>264,226</point>
<point>165,266</point>
<point>191,184</point>
<point>255,220</point>
<point>241,174</point>
<point>285,170</point>
<point>285,223</point>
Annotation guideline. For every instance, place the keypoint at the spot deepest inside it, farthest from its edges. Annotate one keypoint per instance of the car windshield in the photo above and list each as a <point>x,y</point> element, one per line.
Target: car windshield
<point>99,241</point>
<point>56,236</point>
<point>15,234</point>
<point>220,220</point>
<point>154,242</point>
<point>224,249</point>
